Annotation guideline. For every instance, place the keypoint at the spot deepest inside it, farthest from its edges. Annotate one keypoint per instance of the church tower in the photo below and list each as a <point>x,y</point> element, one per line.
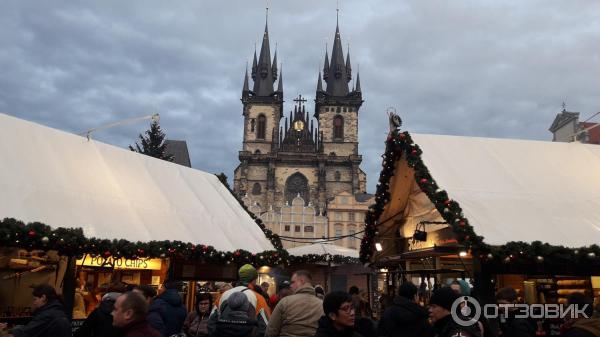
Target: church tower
<point>301,155</point>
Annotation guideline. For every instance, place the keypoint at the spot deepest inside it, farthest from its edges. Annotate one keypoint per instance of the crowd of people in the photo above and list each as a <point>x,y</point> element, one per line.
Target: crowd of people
<point>298,309</point>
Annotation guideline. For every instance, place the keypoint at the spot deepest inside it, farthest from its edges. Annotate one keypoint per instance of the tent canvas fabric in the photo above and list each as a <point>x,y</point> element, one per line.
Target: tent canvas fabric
<point>510,190</point>
<point>323,249</point>
<point>64,180</point>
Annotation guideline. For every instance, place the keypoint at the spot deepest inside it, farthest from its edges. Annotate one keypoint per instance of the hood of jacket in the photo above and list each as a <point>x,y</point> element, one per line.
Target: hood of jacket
<point>106,306</point>
<point>408,311</point>
<point>171,296</point>
<point>591,325</point>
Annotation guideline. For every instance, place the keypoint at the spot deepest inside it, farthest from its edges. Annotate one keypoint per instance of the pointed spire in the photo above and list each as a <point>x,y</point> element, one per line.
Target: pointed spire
<point>246,86</point>
<point>274,68</point>
<point>280,84</point>
<point>337,85</point>
<point>254,65</point>
<point>319,83</point>
<point>326,65</point>
<point>263,81</point>
<point>357,82</point>
<point>348,67</point>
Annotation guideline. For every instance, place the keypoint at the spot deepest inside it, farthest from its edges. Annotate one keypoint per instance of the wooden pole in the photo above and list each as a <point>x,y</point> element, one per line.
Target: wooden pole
<point>69,285</point>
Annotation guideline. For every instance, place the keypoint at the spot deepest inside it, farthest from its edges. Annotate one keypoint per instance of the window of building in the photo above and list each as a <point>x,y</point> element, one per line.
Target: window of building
<point>338,216</point>
<point>286,228</point>
<point>262,127</point>
<point>256,189</point>
<point>327,109</point>
<point>309,229</point>
<point>352,240</point>
<point>345,109</point>
<point>257,151</point>
<point>344,200</point>
<point>337,176</point>
<point>296,228</point>
<point>351,216</point>
<point>252,125</point>
<point>339,231</point>
<point>338,110</point>
<point>338,127</point>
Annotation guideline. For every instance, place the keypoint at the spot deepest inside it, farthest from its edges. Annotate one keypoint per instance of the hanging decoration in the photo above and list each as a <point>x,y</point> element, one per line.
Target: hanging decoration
<point>400,145</point>
<point>72,242</point>
<point>316,258</point>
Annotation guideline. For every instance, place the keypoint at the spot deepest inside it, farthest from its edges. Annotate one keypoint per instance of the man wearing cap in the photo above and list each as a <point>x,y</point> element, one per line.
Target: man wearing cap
<point>440,306</point>
<point>283,290</point>
<point>247,276</point>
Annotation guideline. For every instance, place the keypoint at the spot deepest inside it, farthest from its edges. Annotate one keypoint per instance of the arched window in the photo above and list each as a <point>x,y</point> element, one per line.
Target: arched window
<point>262,127</point>
<point>256,189</point>
<point>338,127</point>
<point>295,185</point>
<point>257,151</point>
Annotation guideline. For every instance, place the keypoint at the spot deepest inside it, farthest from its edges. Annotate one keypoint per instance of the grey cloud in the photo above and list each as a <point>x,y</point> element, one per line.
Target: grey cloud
<point>473,68</point>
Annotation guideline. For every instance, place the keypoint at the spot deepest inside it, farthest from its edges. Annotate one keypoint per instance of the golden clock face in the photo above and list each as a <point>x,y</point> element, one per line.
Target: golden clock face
<point>298,125</point>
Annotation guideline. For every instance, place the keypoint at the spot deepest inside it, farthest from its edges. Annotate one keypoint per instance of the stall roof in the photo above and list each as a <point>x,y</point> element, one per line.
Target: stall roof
<point>520,190</point>
<point>64,180</point>
<point>323,248</point>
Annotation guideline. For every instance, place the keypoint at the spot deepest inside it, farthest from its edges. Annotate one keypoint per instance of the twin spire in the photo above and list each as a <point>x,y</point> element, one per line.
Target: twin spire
<point>336,74</point>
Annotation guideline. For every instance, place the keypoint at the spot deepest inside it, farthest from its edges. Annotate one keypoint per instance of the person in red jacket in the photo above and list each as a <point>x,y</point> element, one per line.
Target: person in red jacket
<point>130,313</point>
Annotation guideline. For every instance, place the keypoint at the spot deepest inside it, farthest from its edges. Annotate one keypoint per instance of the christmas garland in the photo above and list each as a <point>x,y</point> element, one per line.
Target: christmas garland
<point>400,144</point>
<point>314,258</point>
<point>72,242</point>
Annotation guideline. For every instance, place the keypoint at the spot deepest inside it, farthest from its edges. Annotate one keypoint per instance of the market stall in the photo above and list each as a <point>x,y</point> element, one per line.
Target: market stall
<point>105,214</point>
<point>498,211</point>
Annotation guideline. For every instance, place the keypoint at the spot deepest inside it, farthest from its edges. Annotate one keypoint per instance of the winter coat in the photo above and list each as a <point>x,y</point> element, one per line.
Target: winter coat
<point>140,329</point>
<point>169,307</point>
<point>404,318</point>
<point>258,309</point>
<point>517,327</point>
<point>296,315</point>
<point>326,329</point>
<point>587,327</point>
<point>50,320</point>
<point>236,324</point>
<point>196,325</point>
<point>155,317</point>
<point>446,327</point>
<point>99,322</point>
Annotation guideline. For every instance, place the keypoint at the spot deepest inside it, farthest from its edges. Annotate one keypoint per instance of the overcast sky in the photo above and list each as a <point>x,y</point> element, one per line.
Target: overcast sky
<point>472,68</point>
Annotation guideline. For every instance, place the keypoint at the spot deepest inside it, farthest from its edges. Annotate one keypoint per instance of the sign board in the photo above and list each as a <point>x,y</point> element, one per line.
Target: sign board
<point>120,263</point>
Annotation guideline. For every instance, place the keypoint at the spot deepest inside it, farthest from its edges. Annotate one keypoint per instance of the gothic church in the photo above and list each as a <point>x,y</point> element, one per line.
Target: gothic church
<point>314,155</point>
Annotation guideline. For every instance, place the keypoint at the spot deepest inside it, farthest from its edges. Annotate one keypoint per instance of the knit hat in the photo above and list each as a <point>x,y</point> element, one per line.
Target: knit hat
<point>247,273</point>
<point>444,297</point>
<point>238,302</point>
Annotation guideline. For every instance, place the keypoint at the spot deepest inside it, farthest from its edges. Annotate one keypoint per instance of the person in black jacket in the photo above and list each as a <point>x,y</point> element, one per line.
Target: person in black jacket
<point>49,317</point>
<point>583,325</point>
<point>237,320</point>
<point>339,317</point>
<point>510,326</point>
<point>444,325</point>
<point>170,309</point>
<point>99,322</point>
<point>405,318</point>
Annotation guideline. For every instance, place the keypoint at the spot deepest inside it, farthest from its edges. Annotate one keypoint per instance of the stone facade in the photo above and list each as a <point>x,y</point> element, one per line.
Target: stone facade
<point>346,216</point>
<point>310,155</point>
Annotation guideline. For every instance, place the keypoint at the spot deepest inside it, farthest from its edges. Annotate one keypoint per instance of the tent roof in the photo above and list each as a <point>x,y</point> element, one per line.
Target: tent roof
<point>64,180</point>
<point>322,249</point>
<point>520,190</point>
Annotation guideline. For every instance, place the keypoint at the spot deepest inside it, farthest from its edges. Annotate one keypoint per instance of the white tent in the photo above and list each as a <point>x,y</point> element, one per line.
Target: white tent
<point>323,248</point>
<point>516,190</point>
<point>64,180</point>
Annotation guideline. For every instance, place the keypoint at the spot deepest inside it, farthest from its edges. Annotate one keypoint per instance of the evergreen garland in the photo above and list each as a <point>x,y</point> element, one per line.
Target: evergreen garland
<point>400,144</point>
<point>72,242</point>
<point>314,258</point>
